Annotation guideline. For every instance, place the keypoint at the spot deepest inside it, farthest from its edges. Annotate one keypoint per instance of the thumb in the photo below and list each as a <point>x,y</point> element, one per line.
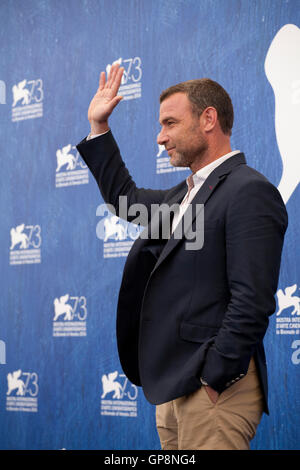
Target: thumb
<point>116,100</point>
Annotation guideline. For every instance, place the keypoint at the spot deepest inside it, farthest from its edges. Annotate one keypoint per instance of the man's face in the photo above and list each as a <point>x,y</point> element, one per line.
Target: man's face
<point>181,132</point>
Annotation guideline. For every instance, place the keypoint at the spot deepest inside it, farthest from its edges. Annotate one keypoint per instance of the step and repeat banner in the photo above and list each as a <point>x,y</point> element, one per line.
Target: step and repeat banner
<point>62,253</point>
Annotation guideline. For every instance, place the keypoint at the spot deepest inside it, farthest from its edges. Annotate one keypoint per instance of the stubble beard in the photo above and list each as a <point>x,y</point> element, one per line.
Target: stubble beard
<point>179,159</point>
<point>188,157</point>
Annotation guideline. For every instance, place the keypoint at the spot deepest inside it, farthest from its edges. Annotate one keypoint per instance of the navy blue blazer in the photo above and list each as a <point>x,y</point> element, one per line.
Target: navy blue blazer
<point>185,314</point>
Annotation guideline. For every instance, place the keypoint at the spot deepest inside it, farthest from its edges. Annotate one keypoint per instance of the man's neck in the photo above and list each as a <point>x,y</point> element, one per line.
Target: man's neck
<point>210,155</point>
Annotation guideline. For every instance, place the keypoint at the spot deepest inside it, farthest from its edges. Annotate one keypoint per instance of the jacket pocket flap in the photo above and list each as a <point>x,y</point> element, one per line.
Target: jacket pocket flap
<point>197,333</point>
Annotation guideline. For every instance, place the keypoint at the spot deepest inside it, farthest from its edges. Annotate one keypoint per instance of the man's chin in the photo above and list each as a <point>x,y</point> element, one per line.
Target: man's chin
<point>178,161</point>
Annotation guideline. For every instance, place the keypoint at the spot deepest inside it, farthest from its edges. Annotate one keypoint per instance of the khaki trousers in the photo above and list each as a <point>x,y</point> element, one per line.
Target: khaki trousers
<point>194,422</point>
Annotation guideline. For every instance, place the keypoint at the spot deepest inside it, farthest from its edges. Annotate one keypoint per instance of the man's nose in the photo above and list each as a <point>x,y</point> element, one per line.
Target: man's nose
<point>162,138</point>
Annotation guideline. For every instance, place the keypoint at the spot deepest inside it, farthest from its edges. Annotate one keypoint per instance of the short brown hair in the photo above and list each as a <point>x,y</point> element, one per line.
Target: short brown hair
<point>203,93</point>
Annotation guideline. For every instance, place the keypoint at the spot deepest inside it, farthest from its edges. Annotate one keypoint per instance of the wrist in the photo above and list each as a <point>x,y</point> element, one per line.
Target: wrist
<point>99,127</point>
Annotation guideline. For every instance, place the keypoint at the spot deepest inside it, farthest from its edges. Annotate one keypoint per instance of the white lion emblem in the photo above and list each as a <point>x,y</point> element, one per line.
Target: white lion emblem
<point>20,93</point>
<point>62,308</point>
<point>64,157</point>
<point>286,300</point>
<point>109,385</point>
<point>18,236</point>
<point>113,229</point>
<point>14,382</point>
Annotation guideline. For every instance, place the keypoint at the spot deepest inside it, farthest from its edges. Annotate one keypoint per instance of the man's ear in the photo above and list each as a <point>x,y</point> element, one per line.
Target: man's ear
<point>209,119</point>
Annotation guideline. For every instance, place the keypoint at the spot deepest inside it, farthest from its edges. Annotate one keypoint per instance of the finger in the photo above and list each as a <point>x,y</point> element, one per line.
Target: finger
<point>116,100</point>
<point>113,103</point>
<point>112,73</point>
<point>109,75</point>
<point>102,81</point>
<point>117,80</point>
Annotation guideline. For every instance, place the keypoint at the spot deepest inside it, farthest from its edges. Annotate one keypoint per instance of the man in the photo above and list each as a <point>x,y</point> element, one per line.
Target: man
<point>191,322</point>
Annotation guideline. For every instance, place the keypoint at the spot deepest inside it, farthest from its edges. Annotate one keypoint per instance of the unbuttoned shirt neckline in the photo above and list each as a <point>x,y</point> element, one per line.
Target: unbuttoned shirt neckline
<point>194,183</point>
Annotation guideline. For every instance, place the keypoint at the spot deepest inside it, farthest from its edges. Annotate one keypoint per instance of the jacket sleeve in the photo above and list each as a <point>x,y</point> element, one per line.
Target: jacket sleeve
<point>103,158</point>
<point>256,222</point>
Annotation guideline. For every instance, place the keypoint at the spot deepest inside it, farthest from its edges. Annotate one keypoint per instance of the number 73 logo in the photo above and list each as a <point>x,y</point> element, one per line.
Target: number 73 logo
<point>132,69</point>
<point>70,307</point>
<point>25,383</point>
<point>27,92</point>
<point>25,236</point>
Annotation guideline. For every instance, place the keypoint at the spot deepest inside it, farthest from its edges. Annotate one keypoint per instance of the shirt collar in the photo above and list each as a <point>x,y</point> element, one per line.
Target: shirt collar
<point>204,172</point>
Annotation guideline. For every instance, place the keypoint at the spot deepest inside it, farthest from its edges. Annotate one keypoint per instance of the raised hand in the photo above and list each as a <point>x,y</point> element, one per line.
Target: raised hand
<point>105,100</point>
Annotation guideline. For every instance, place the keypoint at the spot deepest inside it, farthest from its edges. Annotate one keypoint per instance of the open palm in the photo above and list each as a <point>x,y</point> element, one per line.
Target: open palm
<point>106,99</point>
